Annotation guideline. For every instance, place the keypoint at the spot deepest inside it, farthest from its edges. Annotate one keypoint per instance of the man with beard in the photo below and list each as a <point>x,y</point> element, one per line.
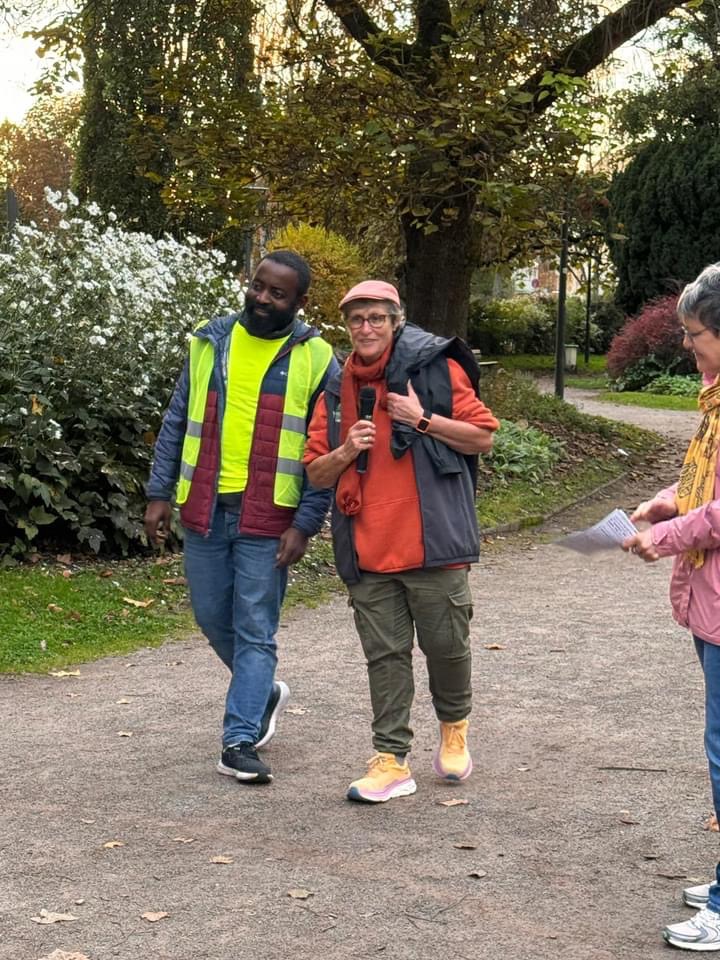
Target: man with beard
<point>230,451</point>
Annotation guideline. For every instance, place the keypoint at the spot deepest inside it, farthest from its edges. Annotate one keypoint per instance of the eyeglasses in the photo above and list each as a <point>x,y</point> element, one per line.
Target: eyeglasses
<point>376,321</point>
<point>693,335</point>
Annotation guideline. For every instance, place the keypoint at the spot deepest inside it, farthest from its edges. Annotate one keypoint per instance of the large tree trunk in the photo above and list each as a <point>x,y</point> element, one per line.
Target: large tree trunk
<point>437,272</point>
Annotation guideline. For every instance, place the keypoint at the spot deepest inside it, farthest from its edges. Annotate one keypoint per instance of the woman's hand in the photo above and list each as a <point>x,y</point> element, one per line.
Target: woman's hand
<point>655,510</point>
<point>360,437</point>
<point>405,409</point>
<point>641,545</point>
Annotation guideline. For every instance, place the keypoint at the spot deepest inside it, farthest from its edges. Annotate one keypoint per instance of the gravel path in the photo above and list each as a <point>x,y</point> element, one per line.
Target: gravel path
<point>583,818</point>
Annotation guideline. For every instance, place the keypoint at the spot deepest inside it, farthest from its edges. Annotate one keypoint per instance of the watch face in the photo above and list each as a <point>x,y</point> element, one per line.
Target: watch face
<point>422,424</point>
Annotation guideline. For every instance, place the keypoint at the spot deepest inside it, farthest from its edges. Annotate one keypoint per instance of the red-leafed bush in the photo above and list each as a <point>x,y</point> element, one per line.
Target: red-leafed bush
<point>648,345</point>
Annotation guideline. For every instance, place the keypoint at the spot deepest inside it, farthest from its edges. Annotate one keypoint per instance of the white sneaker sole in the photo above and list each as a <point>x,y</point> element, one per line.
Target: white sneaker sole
<point>684,945</point>
<point>239,775</point>
<point>404,789</point>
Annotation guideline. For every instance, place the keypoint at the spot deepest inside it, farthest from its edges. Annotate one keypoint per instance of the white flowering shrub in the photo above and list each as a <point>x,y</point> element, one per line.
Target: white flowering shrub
<point>94,322</point>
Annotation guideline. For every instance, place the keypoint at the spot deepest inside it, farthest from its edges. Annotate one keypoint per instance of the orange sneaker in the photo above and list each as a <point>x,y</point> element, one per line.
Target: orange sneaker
<point>385,780</point>
<point>452,760</point>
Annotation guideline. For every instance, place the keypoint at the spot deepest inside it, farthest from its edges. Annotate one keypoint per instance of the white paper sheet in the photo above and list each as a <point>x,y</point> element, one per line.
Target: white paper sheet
<point>606,534</point>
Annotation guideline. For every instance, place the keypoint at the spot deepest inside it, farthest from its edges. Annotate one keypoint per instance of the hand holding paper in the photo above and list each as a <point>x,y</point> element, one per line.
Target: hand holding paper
<point>610,532</point>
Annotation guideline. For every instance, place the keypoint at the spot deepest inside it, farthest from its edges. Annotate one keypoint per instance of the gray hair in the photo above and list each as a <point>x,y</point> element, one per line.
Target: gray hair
<point>701,299</point>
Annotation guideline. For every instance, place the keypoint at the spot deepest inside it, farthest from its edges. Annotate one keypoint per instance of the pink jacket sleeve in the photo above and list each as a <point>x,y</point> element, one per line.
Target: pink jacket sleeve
<point>697,530</point>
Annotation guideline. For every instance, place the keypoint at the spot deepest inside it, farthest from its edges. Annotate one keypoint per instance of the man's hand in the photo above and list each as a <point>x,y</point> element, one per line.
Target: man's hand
<point>157,521</point>
<point>653,511</point>
<point>642,546</point>
<point>293,545</point>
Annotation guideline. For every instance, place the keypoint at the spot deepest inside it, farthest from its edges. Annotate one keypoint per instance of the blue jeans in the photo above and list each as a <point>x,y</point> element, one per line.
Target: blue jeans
<point>236,592</point>
<point>709,657</point>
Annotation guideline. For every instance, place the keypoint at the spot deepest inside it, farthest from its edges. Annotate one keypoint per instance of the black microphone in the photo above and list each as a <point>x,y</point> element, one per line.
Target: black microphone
<point>365,412</point>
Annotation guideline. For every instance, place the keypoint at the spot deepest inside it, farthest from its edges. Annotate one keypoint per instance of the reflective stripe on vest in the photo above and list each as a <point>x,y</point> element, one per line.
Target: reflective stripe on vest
<point>202,356</point>
<point>308,362</point>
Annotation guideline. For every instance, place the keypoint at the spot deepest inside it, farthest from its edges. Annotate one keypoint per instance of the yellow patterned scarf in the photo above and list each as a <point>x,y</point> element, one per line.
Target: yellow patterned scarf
<point>697,477</point>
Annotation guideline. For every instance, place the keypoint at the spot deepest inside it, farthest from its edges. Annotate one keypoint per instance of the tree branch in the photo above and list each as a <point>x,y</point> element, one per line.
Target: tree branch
<point>380,48</point>
<point>583,55</point>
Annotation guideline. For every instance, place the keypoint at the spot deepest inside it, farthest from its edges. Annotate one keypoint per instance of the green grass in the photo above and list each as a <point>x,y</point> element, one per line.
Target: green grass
<point>545,363</point>
<point>654,401</point>
<point>527,504</point>
<point>49,620</point>
<point>530,503</point>
<point>598,382</point>
<point>53,616</point>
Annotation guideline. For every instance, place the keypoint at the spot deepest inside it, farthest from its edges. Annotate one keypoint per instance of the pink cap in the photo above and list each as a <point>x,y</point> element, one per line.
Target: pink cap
<point>372,290</point>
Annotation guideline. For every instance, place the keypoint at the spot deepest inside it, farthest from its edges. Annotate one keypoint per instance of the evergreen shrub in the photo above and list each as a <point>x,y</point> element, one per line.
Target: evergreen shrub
<point>526,324</point>
<point>94,322</point>
<point>649,345</point>
<point>336,266</point>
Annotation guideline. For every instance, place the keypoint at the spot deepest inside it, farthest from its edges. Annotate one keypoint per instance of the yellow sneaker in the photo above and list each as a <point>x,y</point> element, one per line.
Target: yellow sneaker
<point>452,760</point>
<point>385,779</point>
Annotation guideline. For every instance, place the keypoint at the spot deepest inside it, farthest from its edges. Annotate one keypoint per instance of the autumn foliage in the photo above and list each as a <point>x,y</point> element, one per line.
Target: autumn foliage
<point>649,344</point>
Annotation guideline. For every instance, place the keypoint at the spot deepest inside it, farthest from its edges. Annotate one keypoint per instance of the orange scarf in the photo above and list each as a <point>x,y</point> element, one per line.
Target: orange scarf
<point>348,494</point>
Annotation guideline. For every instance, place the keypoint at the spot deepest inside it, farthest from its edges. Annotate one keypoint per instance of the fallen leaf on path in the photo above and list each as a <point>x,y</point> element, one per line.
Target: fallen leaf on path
<point>478,874</point>
<point>453,803</point>
<point>47,917</point>
<point>80,902</point>
<point>523,769</point>
<point>123,700</point>
<point>176,581</point>
<point>154,917</point>
<point>651,856</point>
<point>629,822</point>
<point>174,663</point>
<point>465,846</point>
<point>138,603</point>
<point>298,711</point>
<point>183,839</point>
<point>124,733</point>
<point>111,844</point>
<point>672,876</point>
<point>105,573</point>
<point>298,893</point>
<point>64,673</point>
<point>64,955</point>
<point>82,820</point>
<point>712,824</point>
<point>222,860</point>
<point>494,646</point>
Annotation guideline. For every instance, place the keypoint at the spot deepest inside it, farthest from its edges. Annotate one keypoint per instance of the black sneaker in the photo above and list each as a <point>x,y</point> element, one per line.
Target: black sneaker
<point>275,706</point>
<point>242,762</point>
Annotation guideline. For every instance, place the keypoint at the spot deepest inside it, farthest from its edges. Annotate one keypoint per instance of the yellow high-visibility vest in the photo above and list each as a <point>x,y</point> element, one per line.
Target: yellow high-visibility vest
<point>309,360</point>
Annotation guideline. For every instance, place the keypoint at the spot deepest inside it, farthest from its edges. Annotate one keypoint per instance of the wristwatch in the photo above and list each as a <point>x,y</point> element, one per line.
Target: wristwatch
<point>424,422</point>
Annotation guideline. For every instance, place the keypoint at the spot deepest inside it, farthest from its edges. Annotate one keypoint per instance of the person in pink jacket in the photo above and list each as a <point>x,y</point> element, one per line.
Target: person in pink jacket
<point>685,525</point>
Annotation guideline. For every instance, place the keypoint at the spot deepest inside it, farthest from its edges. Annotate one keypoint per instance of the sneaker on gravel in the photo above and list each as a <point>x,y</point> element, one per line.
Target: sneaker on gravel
<point>701,933</point>
<point>385,780</point>
<point>242,762</point>
<point>452,760</point>
<point>696,896</point>
<point>275,706</point>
